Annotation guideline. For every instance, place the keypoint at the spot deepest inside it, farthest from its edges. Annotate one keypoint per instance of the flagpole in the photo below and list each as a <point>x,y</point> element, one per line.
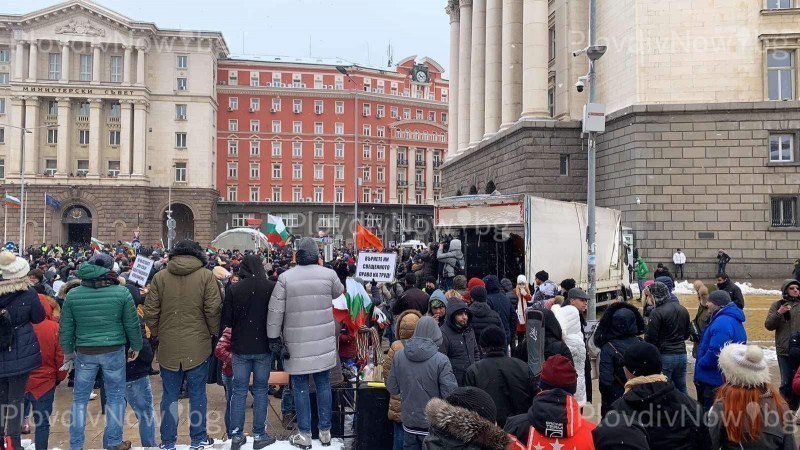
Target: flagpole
<point>5,219</point>
<point>24,218</point>
<point>44,221</point>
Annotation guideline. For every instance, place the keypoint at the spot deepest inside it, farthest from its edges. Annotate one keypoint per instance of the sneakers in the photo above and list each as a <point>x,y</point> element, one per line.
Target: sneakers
<point>124,445</point>
<point>325,437</point>
<point>238,441</point>
<point>262,441</point>
<point>301,440</point>
<point>167,446</point>
<point>202,444</point>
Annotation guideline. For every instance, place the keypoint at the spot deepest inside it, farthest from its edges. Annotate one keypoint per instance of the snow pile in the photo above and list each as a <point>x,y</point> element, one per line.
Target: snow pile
<point>748,289</point>
<point>686,288</point>
<point>770,354</point>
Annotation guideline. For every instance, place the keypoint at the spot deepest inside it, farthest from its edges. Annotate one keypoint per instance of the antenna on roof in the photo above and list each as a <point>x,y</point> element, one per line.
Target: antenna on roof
<point>390,55</point>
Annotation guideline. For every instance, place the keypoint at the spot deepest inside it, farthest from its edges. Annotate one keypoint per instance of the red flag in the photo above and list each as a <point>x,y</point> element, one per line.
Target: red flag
<point>365,239</point>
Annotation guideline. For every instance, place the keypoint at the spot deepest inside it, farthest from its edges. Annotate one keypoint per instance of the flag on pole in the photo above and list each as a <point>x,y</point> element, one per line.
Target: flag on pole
<point>97,244</point>
<point>276,230</point>
<point>10,200</point>
<point>354,307</point>
<point>51,201</point>
<point>365,239</point>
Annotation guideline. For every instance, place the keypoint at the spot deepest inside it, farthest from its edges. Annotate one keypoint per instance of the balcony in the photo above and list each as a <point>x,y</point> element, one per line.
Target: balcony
<point>83,119</point>
<point>420,184</point>
<point>402,183</point>
<point>437,163</point>
<point>420,162</point>
<point>401,162</point>
<point>51,118</point>
<point>437,184</point>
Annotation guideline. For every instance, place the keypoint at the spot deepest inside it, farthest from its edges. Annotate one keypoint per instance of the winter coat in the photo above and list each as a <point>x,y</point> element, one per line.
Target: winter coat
<point>726,326</point>
<point>301,310</point>
<point>98,313</point>
<point>553,418</point>
<point>140,367</point>
<point>544,291</point>
<point>419,373</point>
<point>450,258</point>
<point>519,305</point>
<point>668,328</point>
<point>412,298</point>
<point>46,376</point>
<point>656,405</point>
<point>406,324</point>
<point>620,331</point>
<point>570,320</point>
<point>459,343</point>
<point>245,308</point>
<point>456,428</point>
<point>773,435</point>
<point>507,380</point>
<point>641,269</point>
<point>499,303</point>
<point>223,352</point>
<point>183,310</point>
<point>733,290</point>
<point>702,317</point>
<point>22,302</point>
<point>483,316</point>
<point>785,324</point>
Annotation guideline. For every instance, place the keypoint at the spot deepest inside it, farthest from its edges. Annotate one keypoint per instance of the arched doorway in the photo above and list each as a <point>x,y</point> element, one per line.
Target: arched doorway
<point>184,223</point>
<point>77,221</point>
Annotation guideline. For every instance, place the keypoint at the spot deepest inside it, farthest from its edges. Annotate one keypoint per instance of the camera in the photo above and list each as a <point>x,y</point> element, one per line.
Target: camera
<point>580,85</point>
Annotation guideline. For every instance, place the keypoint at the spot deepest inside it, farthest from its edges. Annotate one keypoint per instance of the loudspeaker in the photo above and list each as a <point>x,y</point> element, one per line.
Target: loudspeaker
<point>374,430</point>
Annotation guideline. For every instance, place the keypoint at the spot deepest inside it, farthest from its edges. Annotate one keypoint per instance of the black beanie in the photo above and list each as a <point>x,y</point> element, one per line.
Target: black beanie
<point>642,359</point>
<point>493,337</point>
<point>474,399</point>
<point>478,294</point>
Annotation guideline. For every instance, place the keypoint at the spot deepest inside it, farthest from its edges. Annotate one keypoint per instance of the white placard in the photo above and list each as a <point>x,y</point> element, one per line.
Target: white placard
<point>141,270</point>
<point>376,266</point>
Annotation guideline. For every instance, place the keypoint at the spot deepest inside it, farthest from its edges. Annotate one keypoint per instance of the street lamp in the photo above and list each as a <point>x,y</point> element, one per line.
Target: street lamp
<point>343,71</point>
<point>333,223</point>
<point>170,221</point>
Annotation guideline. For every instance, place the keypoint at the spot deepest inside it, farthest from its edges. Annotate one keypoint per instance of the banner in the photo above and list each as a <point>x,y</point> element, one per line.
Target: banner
<point>376,266</point>
<point>141,270</point>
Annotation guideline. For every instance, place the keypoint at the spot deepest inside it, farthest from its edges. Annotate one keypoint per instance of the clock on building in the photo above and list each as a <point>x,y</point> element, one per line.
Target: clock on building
<point>420,74</point>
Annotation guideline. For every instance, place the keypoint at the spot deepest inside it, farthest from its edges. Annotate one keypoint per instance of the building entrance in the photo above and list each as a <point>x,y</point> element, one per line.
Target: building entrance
<point>77,222</point>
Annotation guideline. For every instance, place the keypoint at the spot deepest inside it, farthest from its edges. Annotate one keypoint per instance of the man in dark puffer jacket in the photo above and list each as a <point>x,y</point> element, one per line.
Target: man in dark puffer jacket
<point>458,339</point>
<point>497,299</point>
<point>483,316</point>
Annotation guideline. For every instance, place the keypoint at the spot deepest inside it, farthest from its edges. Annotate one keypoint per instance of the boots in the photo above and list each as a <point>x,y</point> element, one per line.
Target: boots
<point>238,441</point>
<point>262,441</point>
<point>325,437</point>
<point>301,440</point>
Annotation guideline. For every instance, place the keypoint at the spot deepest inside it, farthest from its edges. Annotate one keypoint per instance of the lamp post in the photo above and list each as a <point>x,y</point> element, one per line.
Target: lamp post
<point>343,71</point>
<point>170,221</point>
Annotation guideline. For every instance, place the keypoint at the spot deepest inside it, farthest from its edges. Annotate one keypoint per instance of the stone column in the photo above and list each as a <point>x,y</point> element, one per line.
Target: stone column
<point>125,121</point>
<point>65,60</point>
<point>534,59</point>
<point>14,158</point>
<point>126,65</point>
<point>464,71</point>
<point>494,66</point>
<point>452,98</point>
<point>65,137</point>
<point>140,72</point>
<point>32,138</point>
<point>96,64</point>
<point>511,62</point>
<point>95,117</point>
<point>477,73</point>
<point>19,61</point>
<point>140,138</point>
<point>33,60</point>
<point>392,175</point>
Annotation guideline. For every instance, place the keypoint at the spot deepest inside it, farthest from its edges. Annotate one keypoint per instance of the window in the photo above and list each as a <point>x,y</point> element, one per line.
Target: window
<point>255,147</point>
<point>233,103</point>
<point>116,69</point>
<point>297,80</point>
<point>444,118</point>
<point>366,110</point>
<point>780,4</point>
<point>276,80</point>
<point>297,194</point>
<point>420,156</point>
<point>551,101</point>
<point>419,179</point>
<point>233,77</point>
<point>381,174</point>
<point>52,135</point>
<point>290,220</point>
<point>318,172</point>
<point>276,149</point>
<point>432,116</point>
<point>180,112</point>
<point>318,128</point>
<point>367,130</point>
<point>50,167</point>
<point>276,171</point>
<point>418,197</point>
<point>232,198</point>
<point>297,149</point>
<point>339,199</point>
<point>255,104</point>
<point>233,147</point>
<point>366,196</point>
<point>393,112</point>
<point>381,111</point>
<point>255,126</point>
<point>113,169</point>
<point>328,221</point>
<point>379,196</point>
<point>381,132</point>
<point>318,82</point>
<point>338,82</point>
<point>83,167</point>
<point>2,106</point>
<point>781,148</point>
<point>183,61</point>
<point>83,137</point>
<point>367,151</point>
<point>445,93</point>
<point>276,126</point>
<point>297,171</point>
<point>780,74</point>
<point>406,113</point>
<point>3,78</point>
<point>85,68</point>
<point>5,55</point>
<point>381,153</point>
<point>254,79</point>
<point>254,195</point>
<point>233,125</point>
<point>255,171</point>
<point>297,106</point>
<point>318,107</point>
<point>83,109</point>
<point>276,195</point>
<point>338,128</point>
<point>276,104</point>
<point>2,135</point>
<point>240,219</point>
<point>366,173</point>
<point>2,167</point>
<point>784,212</point>
<point>297,127</point>
<point>418,115</point>
<point>114,138</point>
<point>339,108</point>
<point>180,140</point>
<point>180,172</point>
<point>319,150</point>
<point>339,150</point>
<point>54,66</point>
<point>563,165</point>
<point>233,170</point>
<point>339,172</point>
<point>181,84</point>
<point>551,42</point>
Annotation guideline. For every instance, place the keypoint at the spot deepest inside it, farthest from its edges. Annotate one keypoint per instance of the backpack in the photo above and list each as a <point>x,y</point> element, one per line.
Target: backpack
<point>6,331</point>
<point>619,366</point>
<point>458,269</point>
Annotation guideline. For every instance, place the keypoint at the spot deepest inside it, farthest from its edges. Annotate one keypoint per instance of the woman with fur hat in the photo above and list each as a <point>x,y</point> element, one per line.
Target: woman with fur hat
<point>748,411</point>
<point>702,317</point>
<point>464,420</point>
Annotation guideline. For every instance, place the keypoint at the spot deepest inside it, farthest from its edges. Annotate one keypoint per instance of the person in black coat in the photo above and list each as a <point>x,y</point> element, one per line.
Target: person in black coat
<point>507,380</point>
<point>553,339</point>
<point>668,329</point>
<point>483,316</point>
<point>726,284</point>
<point>412,297</point>
<point>139,392</point>
<point>458,339</point>
<point>497,299</point>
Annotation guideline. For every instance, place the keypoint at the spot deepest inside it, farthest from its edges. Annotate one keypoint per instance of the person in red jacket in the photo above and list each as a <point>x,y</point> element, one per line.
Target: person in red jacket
<point>41,389</point>
<point>223,353</point>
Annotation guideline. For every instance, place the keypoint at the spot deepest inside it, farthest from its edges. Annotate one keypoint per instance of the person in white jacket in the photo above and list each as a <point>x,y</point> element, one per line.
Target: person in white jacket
<point>679,259</point>
<point>570,320</point>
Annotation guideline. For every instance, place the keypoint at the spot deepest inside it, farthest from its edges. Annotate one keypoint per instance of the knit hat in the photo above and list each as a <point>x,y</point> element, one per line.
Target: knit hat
<point>102,260</point>
<point>558,372</point>
<point>478,294</point>
<point>438,299</point>
<point>521,279</point>
<point>642,359</point>
<point>719,298</point>
<point>577,293</point>
<point>493,337</point>
<point>744,365</point>
<point>474,399</point>
<point>460,283</point>
<point>12,266</point>
<point>475,282</point>
<point>660,292</point>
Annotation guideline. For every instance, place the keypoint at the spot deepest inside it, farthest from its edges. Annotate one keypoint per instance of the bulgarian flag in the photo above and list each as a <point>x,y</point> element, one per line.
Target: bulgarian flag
<point>353,307</point>
<point>276,230</point>
<point>97,244</point>
<point>10,200</point>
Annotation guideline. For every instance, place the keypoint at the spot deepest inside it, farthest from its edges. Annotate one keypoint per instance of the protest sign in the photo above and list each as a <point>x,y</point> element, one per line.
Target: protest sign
<point>141,270</point>
<point>376,266</point>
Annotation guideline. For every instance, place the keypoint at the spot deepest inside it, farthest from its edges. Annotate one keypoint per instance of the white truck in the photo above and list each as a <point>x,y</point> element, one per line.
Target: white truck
<point>517,234</point>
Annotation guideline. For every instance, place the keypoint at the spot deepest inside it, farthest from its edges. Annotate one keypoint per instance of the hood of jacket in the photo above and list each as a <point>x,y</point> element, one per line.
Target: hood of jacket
<point>11,286</point>
<point>183,265</point>
<point>307,252</point>
<point>569,318</point>
<point>465,426</point>
<point>425,342</point>
<point>620,320</point>
<point>640,396</point>
<point>438,295</point>
<point>90,272</point>
<point>730,310</point>
<point>407,323</point>
<point>252,267</point>
<point>551,412</point>
<point>492,284</point>
<point>786,284</point>
<point>455,245</point>
<point>455,305</point>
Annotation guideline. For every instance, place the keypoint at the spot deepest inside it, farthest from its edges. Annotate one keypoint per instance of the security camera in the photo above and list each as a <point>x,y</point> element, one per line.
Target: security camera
<point>580,85</point>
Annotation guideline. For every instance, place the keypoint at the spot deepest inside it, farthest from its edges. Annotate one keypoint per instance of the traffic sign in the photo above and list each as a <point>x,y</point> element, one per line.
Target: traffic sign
<point>171,233</point>
<point>171,224</point>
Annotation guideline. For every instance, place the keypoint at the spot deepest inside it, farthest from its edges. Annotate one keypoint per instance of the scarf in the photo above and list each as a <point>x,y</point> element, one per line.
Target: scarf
<point>644,380</point>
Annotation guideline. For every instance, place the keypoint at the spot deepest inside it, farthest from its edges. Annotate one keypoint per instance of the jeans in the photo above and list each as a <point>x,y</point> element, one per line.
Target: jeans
<point>139,395</point>
<point>302,401</point>
<point>196,385</point>
<point>679,269</point>
<point>398,436</point>
<point>287,402</point>
<point>674,367</point>
<point>86,366</point>
<point>227,382</point>
<point>721,267</point>
<point>243,365</point>
<point>640,282</point>
<point>705,395</point>
<point>787,374</point>
<point>42,409</point>
<point>413,441</point>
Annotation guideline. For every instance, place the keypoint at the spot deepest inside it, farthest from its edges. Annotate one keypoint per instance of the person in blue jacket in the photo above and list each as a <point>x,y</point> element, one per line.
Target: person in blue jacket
<point>726,326</point>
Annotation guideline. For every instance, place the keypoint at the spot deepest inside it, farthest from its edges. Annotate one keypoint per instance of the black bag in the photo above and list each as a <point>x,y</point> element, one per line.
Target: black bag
<point>619,366</point>
<point>694,331</point>
<point>7,333</point>
<point>458,269</point>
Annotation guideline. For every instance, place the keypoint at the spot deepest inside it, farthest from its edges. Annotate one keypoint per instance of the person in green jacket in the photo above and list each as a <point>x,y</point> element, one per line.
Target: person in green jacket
<point>641,274</point>
<point>97,320</point>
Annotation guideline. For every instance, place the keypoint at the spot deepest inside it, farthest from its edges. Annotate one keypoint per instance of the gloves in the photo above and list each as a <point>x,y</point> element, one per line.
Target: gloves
<point>69,362</point>
<point>373,283</point>
<point>277,348</point>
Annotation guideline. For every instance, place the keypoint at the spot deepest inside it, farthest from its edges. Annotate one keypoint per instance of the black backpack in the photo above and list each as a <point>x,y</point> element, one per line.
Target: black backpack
<point>6,331</point>
<point>458,269</point>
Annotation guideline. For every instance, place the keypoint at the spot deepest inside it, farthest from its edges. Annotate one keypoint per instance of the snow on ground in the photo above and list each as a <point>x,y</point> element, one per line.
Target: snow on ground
<point>337,444</point>
<point>769,353</point>
<point>686,288</point>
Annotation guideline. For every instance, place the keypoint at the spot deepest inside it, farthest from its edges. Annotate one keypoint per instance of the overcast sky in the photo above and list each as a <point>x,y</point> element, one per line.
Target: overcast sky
<point>355,30</point>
